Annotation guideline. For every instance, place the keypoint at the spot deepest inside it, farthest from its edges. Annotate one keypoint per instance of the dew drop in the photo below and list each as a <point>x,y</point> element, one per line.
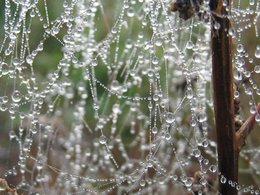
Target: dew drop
<point>154,130</point>
<point>4,68</point>
<point>188,182</point>
<point>156,97</point>
<point>189,93</point>
<point>3,107</point>
<point>168,136</point>
<point>196,153</point>
<point>16,61</point>
<point>257,51</point>
<point>12,135</point>
<point>213,168</point>
<point>142,183</point>
<point>257,69</point>
<point>223,179</point>
<point>16,96</point>
<point>216,26</point>
<point>238,75</point>
<point>240,48</point>
<point>252,109</point>
<point>257,118</point>
<point>102,139</point>
<point>94,63</point>
<point>158,43</point>
<point>232,32</point>
<point>202,117</point>
<point>189,44</point>
<point>236,94</point>
<point>29,59</point>
<point>116,108</point>
<point>169,117</point>
<point>130,12</point>
<point>155,60</point>
<point>252,2</point>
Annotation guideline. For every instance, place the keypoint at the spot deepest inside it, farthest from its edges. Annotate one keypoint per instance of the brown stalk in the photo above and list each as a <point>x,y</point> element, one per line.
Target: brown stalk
<point>222,79</point>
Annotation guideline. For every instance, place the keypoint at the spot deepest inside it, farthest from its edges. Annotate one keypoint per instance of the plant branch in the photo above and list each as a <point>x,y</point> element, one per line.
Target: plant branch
<point>222,79</point>
<point>246,128</point>
<point>5,187</point>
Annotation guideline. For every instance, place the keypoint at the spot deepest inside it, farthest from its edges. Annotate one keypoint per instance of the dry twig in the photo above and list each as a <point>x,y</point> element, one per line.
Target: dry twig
<point>4,187</point>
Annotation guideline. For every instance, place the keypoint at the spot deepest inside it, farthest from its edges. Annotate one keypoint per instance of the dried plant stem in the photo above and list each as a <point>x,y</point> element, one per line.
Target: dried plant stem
<point>222,72</point>
<point>5,187</point>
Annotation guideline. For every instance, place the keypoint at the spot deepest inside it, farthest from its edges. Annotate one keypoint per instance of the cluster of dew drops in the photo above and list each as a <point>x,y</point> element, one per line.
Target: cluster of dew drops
<point>125,107</point>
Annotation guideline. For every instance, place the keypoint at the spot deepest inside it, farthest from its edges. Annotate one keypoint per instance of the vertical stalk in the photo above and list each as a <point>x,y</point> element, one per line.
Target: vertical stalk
<point>222,80</point>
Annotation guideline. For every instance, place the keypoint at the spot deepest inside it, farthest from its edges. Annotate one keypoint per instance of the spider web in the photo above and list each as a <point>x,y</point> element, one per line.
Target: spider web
<point>114,97</point>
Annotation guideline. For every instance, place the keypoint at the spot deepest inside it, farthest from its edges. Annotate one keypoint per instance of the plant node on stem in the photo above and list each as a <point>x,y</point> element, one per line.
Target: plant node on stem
<point>246,128</point>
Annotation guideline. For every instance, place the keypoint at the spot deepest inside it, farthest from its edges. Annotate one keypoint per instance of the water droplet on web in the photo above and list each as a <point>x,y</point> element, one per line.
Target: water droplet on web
<point>240,62</point>
<point>203,181</point>
<point>257,51</point>
<point>150,105</point>
<point>166,55</point>
<point>202,117</point>
<point>213,168</point>
<point>189,44</point>
<point>39,165</point>
<point>196,153</point>
<point>252,109</point>
<point>114,30</point>
<point>193,123</point>
<point>257,69</point>
<point>12,135</point>
<point>196,57</point>
<point>238,187</point>
<point>29,59</point>
<point>240,48</point>
<point>247,74</point>
<point>155,60</point>
<point>223,179</point>
<point>12,36</point>
<point>40,46</point>
<point>115,86</point>
<point>168,136</point>
<point>16,61</point>
<point>257,118</point>
<point>94,62</point>
<point>102,139</point>
<point>3,107</point>
<point>4,99</point>
<point>142,183</point>
<point>188,182</point>
<point>238,75</point>
<point>158,42</point>
<point>4,68</point>
<point>170,117</point>
<point>232,32</point>
<point>189,93</point>
<point>116,108</point>
<point>236,94</point>
<point>205,143</point>
<point>252,2</point>
<point>156,97</point>
<point>154,130</point>
<point>150,73</point>
<point>216,26</point>
<point>16,96</point>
